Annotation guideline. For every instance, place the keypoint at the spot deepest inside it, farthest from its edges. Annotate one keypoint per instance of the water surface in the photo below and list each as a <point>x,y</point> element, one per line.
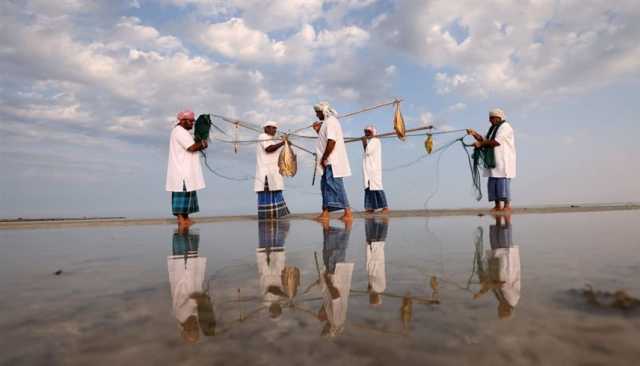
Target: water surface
<point>463,290</point>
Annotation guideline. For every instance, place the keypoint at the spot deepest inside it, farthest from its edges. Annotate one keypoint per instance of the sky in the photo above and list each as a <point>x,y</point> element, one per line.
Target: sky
<point>89,91</point>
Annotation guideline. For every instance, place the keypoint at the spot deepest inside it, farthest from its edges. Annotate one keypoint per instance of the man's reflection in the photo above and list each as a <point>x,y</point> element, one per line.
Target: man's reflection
<point>336,278</point>
<point>275,279</point>
<point>191,304</point>
<point>500,271</point>
<point>376,235</point>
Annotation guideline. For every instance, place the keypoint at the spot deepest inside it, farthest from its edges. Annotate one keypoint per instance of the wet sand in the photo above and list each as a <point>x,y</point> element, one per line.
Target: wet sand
<point>55,223</point>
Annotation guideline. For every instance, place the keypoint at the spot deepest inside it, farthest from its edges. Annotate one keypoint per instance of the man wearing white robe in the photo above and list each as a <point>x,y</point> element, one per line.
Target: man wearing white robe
<point>268,182</point>
<point>500,144</point>
<point>333,163</point>
<point>374,196</point>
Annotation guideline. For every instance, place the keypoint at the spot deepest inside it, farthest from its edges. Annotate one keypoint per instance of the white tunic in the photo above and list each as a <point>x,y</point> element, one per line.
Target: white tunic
<point>505,154</point>
<point>509,272</point>
<point>270,273</point>
<point>375,266</point>
<point>185,280</point>
<point>183,166</point>
<point>336,309</point>
<point>267,165</point>
<point>372,165</point>
<point>332,130</point>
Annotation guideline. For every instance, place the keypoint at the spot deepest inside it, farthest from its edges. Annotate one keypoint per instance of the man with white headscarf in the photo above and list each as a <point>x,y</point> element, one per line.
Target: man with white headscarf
<point>268,183</point>
<point>333,163</point>
<point>374,197</point>
<point>498,149</point>
<point>184,173</point>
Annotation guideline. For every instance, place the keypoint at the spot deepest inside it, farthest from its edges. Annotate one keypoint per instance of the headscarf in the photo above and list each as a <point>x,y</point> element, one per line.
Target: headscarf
<point>497,112</point>
<point>186,114</point>
<point>326,109</point>
<point>372,128</point>
<point>270,124</point>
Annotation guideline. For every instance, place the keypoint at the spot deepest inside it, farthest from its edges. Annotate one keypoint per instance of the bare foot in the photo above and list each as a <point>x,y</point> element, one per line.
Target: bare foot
<point>189,222</point>
<point>369,211</point>
<point>385,210</point>
<point>496,209</point>
<point>507,208</point>
<point>348,216</point>
<point>323,217</point>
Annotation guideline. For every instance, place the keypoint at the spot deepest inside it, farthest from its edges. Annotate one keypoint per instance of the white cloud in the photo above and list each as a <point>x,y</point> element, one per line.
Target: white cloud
<point>235,40</point>
<point>457,107</point>
<point>518,49</point>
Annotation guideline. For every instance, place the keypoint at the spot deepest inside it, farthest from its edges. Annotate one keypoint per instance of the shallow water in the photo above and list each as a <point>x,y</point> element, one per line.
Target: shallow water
<point>146,295</point>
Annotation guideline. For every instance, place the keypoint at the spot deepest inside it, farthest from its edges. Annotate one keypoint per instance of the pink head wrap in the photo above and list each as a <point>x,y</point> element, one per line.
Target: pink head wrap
<point>186,114</point>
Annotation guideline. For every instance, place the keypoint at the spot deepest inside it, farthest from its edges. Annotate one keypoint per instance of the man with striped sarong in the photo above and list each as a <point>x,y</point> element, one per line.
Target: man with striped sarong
<point>184,173</point>
<point>268,183</point>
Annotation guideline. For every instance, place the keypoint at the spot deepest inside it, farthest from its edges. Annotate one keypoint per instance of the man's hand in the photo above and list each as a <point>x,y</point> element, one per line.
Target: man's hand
<point>323,163</point>
<point>205,144</point>
<point>470,131</point>
<point>477,144</point>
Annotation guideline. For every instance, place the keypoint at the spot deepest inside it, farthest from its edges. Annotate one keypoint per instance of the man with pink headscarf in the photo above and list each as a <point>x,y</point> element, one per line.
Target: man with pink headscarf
<point>184,173</point>
<point>374,197</point>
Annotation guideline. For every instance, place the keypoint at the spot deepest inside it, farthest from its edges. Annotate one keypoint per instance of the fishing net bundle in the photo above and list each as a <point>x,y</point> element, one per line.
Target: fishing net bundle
<point>287,161</point>
<point>202,128</point>
<point>398,122</point>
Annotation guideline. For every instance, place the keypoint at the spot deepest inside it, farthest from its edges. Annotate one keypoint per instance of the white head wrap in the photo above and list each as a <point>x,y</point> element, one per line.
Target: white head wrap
<point>326,109</point>
<point>497,112</point>
<point>372,128</point>
<point>270,124</point>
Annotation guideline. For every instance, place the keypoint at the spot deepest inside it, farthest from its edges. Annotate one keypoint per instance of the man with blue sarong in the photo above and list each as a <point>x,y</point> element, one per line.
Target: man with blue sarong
<point>184,173</point>
<point>374,197</point>
<point>333,163</point>
<point>498,149</point>
<point>268,183</point>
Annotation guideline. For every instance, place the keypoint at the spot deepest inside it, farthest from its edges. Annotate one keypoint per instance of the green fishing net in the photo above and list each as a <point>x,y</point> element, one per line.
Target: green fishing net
<point>202,128</point>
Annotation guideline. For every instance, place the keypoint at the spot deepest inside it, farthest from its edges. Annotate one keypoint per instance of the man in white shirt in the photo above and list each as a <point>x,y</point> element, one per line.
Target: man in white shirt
<point>374,197</point>
<point>268,183</point>
<point>333,163</point>
<point>499,151</point>
<point>184,173</point>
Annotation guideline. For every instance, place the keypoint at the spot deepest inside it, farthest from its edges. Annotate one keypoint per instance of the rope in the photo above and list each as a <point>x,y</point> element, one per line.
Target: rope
<point>415,161</point>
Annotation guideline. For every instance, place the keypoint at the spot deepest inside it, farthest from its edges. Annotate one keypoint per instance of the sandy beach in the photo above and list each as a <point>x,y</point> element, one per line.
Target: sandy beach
<point>61,223</point>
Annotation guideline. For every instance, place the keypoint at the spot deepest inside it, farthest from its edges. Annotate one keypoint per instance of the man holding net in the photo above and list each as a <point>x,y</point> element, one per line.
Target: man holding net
<point>184,173</point>
<point>498,151</point>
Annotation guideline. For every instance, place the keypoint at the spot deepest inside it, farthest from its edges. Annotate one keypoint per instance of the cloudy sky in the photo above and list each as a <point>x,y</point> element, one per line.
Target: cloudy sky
<point>89,91</point>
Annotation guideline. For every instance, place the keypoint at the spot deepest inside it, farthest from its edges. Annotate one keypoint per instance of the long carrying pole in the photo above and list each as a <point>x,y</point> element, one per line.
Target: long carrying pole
<point>395,101</point>
<point>353,139</point>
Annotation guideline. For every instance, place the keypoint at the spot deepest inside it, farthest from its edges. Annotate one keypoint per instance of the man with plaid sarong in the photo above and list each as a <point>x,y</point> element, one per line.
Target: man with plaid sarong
<point>184,173</point>
<point>268,183</point>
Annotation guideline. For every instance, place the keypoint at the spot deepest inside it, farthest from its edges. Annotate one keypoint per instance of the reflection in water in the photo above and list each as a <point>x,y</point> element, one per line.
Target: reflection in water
<point>499,271</point>
<point>376,235</point>
<point>336,279</point>
<point>191,303</point>
<point>275,279</point>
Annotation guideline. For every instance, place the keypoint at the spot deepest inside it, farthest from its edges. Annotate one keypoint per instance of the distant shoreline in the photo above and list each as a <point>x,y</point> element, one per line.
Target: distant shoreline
<point>122,221</point>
